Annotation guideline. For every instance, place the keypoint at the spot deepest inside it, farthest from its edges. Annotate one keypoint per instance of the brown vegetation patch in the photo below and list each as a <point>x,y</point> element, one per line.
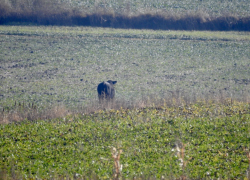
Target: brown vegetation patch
<point>21,111</point>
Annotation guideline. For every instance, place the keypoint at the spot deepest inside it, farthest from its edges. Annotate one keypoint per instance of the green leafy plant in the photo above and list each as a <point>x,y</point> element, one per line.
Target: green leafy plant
<point>181,141</point>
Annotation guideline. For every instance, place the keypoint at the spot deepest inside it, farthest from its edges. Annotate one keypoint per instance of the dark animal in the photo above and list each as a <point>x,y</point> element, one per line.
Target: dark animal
<point>106,90</point>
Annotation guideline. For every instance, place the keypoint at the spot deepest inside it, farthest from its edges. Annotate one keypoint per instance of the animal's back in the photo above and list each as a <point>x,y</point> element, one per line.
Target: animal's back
<point>106,90</point>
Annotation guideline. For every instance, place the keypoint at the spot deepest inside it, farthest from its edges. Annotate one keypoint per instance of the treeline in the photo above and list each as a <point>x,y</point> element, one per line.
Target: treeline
<point>38,12</point>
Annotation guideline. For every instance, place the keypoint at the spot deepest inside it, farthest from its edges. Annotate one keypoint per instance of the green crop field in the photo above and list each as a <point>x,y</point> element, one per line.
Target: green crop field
<point>198,141</point>
<point>201,129</point>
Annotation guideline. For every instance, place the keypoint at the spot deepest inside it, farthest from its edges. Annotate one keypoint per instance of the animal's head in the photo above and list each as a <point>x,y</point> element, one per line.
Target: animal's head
<point>112,82</point>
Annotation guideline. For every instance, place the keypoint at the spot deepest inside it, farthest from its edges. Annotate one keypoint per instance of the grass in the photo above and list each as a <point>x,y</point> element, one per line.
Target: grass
<point>63,65</point>
<point>129,33</point>
<point>181,111</point>
<point>213,138</point>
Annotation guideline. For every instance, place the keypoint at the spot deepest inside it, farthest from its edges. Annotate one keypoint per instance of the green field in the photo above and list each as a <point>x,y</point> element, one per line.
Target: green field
<point>214,139</point>
<point>213,7</point>
<point>201,80</point>
<point>63,65</point>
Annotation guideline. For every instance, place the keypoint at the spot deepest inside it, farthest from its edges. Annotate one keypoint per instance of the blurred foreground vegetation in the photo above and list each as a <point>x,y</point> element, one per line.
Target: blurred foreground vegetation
<point>199,140</point>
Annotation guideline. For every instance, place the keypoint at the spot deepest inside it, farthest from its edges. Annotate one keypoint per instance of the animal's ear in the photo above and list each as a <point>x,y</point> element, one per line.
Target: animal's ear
<point>114,82</point>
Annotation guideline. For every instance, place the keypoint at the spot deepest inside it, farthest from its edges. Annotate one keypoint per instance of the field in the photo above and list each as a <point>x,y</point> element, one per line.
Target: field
<point>213,7</point>
<point>46,65</point>
<point>203,140</point>
<point>211,15</point>
<point>185,96</point>
<point>209,7</point>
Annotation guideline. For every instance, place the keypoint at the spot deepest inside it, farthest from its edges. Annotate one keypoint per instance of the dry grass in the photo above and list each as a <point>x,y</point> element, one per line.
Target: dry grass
<point>59,13</point>
<point>26,113</point>
<point>21,111</point>
<point>117,165</point>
